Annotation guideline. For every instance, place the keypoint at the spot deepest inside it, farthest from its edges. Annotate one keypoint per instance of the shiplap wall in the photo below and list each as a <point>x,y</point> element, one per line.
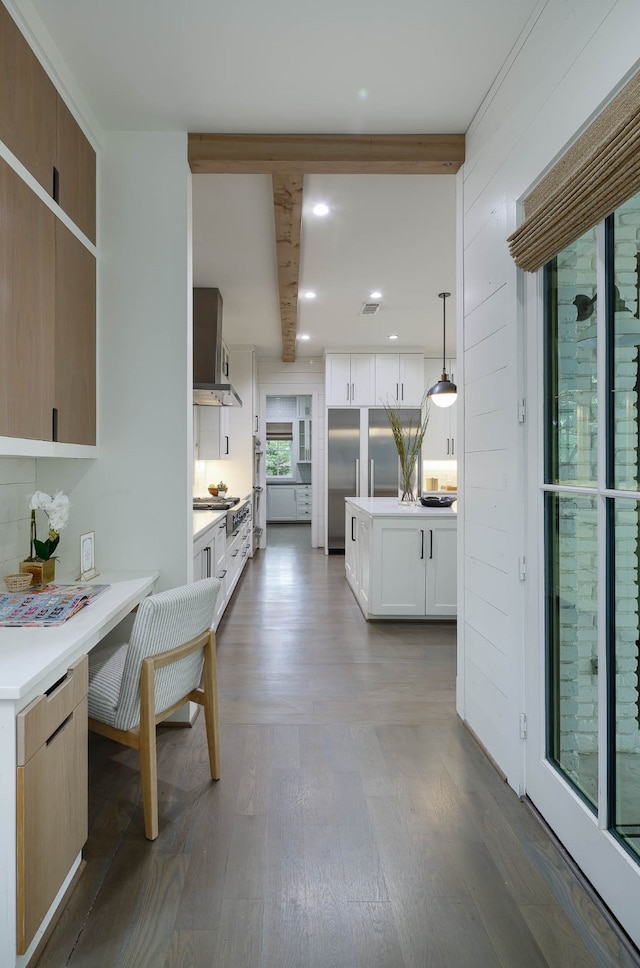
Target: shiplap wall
<point>570,60</point>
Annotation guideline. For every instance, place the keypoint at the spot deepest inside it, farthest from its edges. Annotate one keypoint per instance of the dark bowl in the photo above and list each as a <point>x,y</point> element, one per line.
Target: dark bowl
<point>437,502</point>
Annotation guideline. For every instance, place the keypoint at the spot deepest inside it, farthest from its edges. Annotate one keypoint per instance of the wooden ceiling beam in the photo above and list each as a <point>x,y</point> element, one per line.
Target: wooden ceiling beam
<point>287,207</point>
<point>287,158</point>
<point>326,154</point>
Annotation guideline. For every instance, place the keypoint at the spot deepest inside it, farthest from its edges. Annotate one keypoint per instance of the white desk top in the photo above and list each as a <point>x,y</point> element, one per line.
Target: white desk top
<point>31,658</point>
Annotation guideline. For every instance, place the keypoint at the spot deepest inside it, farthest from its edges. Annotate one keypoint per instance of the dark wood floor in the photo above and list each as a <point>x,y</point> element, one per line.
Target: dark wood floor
<point>356,822</point>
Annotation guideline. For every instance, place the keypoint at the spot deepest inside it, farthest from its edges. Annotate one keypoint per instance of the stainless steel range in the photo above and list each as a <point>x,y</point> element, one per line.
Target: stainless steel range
<point>237,516</point>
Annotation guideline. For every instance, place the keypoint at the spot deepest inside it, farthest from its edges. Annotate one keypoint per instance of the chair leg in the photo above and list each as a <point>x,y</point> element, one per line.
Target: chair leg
<point>147,751</point>
<point>210,683</point>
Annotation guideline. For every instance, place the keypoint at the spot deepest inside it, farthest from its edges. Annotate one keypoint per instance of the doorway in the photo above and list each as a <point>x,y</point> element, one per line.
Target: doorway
<point>289,464</point>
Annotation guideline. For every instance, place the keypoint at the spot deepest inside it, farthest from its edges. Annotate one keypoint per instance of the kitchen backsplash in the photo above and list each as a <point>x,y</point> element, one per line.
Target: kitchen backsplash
<point>17,484</point>
<point>439,475</point>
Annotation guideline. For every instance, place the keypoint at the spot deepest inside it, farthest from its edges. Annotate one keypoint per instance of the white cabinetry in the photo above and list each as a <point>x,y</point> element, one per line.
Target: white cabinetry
<point>210,560</point>
<point>281,502</point>
<point>212,441</point>
<point>400,379</point>
<point>303,502</point>
<point>401,566</point>
<point>350,379</point>
<point>440,438</point>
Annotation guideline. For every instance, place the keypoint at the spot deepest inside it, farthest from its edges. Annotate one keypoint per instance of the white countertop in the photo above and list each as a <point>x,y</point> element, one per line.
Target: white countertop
<point>28,656</point>
<point>203,520</point>
<point>390,506</point>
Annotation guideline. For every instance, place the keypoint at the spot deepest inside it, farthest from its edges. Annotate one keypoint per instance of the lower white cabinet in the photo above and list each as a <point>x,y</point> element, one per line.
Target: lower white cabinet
<point>401,566</point>
<point>288,502</point>
<point>210,560</point>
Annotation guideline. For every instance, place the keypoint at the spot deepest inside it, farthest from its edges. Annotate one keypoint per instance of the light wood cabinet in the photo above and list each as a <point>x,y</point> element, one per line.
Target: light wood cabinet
<point>400,379</point>
<point>27,104</point>
<point>52,797</point>
<point>27,321</point>
<point>75,181</point>
<point>38,128</point>
<point>75,340</point>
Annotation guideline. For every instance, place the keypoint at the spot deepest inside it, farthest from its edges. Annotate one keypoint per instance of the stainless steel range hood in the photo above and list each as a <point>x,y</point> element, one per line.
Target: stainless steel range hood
<point>211,387</point>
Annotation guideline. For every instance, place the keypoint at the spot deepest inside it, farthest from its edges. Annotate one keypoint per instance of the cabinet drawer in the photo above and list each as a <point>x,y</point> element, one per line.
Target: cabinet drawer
<point>52,808</point>
<point>41,718</point>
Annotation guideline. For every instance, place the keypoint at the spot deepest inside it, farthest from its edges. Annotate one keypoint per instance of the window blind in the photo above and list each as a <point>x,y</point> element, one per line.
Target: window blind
<point>279,431</point>
<point>596,175</point>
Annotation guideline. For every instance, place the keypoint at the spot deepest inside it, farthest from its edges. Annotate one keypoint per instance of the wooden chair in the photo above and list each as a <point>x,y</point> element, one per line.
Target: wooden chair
<point>135,685</point>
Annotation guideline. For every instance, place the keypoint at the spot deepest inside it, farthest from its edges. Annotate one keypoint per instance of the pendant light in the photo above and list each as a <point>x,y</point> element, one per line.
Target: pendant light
<point>444,393</point>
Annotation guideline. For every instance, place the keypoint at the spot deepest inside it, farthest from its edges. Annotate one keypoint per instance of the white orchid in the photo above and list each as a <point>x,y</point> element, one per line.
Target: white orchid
<point>57,510</point>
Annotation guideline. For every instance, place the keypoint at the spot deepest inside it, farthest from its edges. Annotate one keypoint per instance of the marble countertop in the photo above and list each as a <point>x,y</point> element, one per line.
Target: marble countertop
<point>389,506</point>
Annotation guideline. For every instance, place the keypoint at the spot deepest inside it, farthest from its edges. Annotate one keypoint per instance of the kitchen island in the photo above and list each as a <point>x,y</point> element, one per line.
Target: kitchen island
<point>401,562</point>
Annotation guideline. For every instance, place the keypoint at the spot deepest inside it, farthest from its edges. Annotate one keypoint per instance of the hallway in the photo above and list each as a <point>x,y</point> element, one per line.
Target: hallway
<point>356,823</point>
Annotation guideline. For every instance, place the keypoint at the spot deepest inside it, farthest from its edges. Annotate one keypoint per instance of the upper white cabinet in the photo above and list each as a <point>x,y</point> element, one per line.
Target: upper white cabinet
<point>440,438</point>
<point>350,379</point>
<point>374,379</point>
<point>400,379</point>
<point>212,441</point>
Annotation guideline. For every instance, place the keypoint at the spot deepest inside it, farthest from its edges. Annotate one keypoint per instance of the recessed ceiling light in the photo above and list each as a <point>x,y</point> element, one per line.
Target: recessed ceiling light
<point>303,336</point>
<point>393,336</point>
<point>310,294</point>
<point>375,294</point>
<point>321,209</point>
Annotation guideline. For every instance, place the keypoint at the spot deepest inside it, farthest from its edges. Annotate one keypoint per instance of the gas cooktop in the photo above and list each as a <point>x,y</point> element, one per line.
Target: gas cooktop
<point>214,503</point>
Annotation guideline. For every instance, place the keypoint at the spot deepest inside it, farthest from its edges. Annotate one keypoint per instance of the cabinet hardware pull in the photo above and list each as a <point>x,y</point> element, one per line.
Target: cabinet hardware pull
<point>353,521</point>
<point>62,726</point>
<point>452,445</point>
<point>396,391</point>
<point>222,574</point>
<point>421,545</point>
<point>447,446</point>
<point>402,391</point>
<point>431,544</point>
<point>54,423</point>
<point>347,391</point>
<point>227,440</point>
<point>55,188</point>
<point>207,552</point>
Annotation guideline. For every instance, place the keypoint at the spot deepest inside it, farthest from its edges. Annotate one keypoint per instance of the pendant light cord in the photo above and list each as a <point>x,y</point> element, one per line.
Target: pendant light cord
<point>444,296</point>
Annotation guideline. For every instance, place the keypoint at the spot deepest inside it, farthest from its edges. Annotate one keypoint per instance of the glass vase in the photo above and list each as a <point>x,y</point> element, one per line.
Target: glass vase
<point>408,486</point>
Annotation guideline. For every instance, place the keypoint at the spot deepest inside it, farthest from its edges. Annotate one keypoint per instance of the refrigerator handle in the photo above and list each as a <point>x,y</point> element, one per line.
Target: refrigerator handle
<point>372,482</point>
<point>357,488</point>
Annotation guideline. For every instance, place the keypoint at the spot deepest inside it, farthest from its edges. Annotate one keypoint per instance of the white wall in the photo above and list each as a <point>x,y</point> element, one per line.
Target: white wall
<point>137,495</point>
<point>572,58</point>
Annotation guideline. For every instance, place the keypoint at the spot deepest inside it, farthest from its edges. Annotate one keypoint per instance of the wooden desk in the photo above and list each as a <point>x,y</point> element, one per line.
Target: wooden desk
<point>31,661</point>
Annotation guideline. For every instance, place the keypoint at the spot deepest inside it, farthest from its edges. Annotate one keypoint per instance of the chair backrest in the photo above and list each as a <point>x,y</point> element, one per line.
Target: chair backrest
<point>162,622</point>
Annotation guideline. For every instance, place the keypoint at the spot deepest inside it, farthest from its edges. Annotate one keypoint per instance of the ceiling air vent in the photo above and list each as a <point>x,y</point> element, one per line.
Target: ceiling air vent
<point>369,309</point>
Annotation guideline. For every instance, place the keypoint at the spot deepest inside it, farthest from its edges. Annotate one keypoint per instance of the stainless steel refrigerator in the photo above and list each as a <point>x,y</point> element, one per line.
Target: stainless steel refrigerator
<point>362,462</point>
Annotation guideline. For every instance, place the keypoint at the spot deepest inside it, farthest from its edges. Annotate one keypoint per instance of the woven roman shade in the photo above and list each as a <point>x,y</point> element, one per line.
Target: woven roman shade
<point>279,431</point>
<point>596,175</point>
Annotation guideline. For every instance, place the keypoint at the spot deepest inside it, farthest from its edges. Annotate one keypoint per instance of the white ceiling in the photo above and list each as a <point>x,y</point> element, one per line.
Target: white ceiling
<point>295,66</point>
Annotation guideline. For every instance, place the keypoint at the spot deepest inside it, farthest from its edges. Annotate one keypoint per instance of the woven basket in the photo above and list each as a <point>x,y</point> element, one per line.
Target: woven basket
<point>18,583</point>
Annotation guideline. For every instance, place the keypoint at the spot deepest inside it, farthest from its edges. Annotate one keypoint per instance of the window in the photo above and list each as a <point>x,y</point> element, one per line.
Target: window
<point>279,458</point>
<point>592,516</point>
